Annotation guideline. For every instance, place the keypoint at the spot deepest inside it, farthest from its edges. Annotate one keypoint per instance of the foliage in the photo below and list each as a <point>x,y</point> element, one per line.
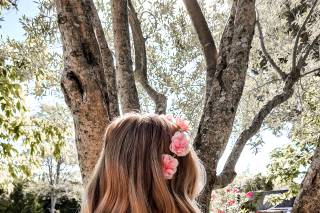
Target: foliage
<point>24,201</point>
<point>37,137</point>
<point>58,176</point>
<point>262,81</point>
<point>241,195</point>
<point>290,163</point>
<point>232,200</point>
<point>298,116</point>
<point>29,70</point>
<point>258,183</point>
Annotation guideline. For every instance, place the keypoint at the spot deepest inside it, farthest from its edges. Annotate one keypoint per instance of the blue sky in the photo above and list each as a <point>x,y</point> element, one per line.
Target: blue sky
<point>11,26</point>
<point>248,162</point>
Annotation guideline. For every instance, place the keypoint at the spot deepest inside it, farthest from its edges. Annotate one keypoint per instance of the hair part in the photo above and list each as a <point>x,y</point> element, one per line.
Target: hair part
<point>128,176</point>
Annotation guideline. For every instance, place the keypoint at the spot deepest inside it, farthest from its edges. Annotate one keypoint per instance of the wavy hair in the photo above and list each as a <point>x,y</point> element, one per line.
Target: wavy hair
<point>128,176</point>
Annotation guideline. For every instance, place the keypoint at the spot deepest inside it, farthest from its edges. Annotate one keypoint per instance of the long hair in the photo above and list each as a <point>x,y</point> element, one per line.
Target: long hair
<point>128,177</point>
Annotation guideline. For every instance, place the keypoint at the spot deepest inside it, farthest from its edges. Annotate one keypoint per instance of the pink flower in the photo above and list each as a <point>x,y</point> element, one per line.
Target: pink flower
<point>231,202</point>
<point>235,190</point>
<point>169,166</point>
<point>249,195</point>
<point>180,144</point>
<point>220,211</point>
<point>184,125</point>
<point>213,196</point>
<point>228,190</point>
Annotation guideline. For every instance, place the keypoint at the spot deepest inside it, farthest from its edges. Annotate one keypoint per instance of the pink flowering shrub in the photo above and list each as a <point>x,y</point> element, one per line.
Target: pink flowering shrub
<point>229,200</point>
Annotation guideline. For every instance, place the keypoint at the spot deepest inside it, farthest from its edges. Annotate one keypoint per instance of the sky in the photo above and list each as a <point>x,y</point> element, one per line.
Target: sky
<point>248,164</point>
<point>11,26</point>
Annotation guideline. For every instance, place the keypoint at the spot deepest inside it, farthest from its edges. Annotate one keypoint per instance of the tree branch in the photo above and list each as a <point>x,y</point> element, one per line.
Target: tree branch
<point>219,111</point>
<point>226,40</point>
<point>125,77</point>
<point>282,74</point>
<point>295,47</point>
<point>302,59</point>
<point>248,133</point>
<point>140,72</point>
<point>108,74</point>
<point>206,40</point>
<point>312,71</point>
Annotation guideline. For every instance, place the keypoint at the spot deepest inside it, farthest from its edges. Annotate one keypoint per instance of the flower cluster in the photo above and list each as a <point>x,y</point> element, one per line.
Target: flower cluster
<point>230,200</point>
<point>180,146</point>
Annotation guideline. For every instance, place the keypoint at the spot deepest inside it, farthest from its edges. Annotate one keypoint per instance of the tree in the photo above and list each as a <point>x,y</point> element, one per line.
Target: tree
<point>58,177</point>
<point>21,199</point>
<point>28,69</point>
<point>90,88</point>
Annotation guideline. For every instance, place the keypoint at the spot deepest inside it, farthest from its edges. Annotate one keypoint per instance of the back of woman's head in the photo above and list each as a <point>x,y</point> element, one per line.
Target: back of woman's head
<point>129,174</point>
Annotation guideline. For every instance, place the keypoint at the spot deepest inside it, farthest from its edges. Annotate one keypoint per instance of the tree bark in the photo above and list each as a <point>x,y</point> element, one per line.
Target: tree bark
<point>307,200</point>
<point>109,86</point>
<point>125,79</point>
<point>141,71</point>
<point>206,40</point>
<point>83,81</point>
<point>220,108</point>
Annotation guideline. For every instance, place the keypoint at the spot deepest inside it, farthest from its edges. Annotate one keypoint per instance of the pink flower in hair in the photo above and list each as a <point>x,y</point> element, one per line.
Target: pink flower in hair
<point>184,125</point>
<point>169,166</point>
<point>180,144</point>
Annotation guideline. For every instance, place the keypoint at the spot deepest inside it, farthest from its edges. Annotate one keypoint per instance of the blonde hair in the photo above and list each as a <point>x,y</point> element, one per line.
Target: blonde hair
<point>128,176</point>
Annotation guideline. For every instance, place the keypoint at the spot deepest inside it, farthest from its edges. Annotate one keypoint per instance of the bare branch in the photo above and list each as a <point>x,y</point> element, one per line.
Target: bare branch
<point>108,75</point>
<point>125,78</point>
<point>295,47</point>
<point>312,71</point>
<point>264,84</point>
<point>287,92</point>
<point>206,40</point>
<point>250,132</point>
<point>282,74</point>
<point>224,178</point>
<point>302,59</point>
<point>140,72</point>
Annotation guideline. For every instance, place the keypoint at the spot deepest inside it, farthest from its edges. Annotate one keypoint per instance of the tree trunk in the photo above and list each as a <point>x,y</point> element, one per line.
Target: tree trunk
<point>226,90</point>
<point>53,201</point>
<point>141,72</point>
<point>125,79</point>
<point>308,198</point>
<point>83,80</point>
